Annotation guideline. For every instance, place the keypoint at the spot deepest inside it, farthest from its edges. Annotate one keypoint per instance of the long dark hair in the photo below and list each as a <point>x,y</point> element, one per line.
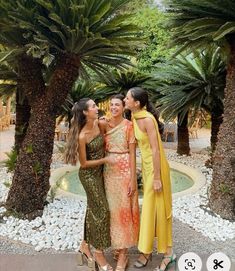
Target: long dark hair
<point>141,95</point>
<point>127,112</point>
<point>77,123</point>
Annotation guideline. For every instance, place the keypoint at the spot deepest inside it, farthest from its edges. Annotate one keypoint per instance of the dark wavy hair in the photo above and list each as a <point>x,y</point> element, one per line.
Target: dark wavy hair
<point>77,123</point>
<point>141,95</point>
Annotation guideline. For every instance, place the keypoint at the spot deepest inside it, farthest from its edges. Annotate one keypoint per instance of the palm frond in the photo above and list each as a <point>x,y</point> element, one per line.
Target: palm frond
<point>195,81</point>
<point>195,23</point>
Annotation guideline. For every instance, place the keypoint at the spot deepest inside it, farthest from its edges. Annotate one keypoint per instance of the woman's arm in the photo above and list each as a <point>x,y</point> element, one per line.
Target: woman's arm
<point>84,163</point>
<point>133,184</point>
<point>152,135</point>
<point>103,126</point>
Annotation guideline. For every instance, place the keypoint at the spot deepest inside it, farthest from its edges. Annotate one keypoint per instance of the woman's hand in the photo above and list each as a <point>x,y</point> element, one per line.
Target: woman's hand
<point>157,185</point>
<point>132,187</point>
<point>110,160</point>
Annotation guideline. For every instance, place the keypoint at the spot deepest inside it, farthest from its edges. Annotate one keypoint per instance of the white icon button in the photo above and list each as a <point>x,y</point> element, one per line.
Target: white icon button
<point>190,261</point>
<point>218,262</point>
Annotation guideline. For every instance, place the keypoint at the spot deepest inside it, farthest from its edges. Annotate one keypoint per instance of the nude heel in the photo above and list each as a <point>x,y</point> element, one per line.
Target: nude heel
<point>80,261</point>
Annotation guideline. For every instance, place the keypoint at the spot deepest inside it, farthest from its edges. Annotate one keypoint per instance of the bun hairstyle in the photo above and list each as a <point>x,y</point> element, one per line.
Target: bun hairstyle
<point>141,95</point>
<point>77,123</point>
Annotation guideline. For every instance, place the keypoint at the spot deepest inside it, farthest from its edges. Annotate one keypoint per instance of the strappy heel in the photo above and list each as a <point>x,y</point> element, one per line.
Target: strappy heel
<point>106,267</point>
<point>140,264</point>
<point>82,259</point>
<point>172,259</point>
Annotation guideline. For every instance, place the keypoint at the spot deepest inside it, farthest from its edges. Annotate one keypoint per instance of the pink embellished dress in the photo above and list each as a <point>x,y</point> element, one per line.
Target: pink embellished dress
<point>124,210</point>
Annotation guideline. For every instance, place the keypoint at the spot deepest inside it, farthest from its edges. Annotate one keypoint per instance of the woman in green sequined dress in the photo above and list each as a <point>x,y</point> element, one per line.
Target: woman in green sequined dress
<point>86,144</point>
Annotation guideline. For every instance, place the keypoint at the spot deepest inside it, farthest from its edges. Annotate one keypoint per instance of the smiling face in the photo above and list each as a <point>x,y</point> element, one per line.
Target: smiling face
<point>116,107</point>
<point>92,110</point>
<point>130,103</point>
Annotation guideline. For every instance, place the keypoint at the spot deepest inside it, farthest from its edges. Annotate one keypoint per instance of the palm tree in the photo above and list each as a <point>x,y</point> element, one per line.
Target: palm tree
<point>193,82</point>
<point>120,82</point>
<point>81,89</point>
<point>197,23</point>
<point>101,88</point>
<point>71,37</point>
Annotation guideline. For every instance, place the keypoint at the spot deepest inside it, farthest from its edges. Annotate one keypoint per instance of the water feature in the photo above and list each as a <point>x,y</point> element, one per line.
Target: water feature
<point>69,182</point>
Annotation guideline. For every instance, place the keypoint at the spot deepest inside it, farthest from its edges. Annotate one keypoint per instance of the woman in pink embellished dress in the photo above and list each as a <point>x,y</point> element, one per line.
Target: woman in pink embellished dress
<point>120,181</point>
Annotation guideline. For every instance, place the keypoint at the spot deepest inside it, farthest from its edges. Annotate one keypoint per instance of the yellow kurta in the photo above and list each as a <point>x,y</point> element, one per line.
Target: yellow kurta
<point>156,217</point>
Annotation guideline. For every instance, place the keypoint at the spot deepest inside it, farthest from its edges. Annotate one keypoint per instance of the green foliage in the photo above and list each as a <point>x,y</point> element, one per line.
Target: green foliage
<point>10,163</point>
<point>136,5</point>
<point>103,87</point>
<point>224,188</point>
<point>20,130</point>
<point>119,82</point>
<point>29,148</point>
<point>37,168</point>
<point>97,33</point>
<point>13,213</point>
<point>196,81</point>
<point>198,23</point>
<point>8,75</point>
<point>7,184</point>
<point>156,36</point>
<point>81,89</point>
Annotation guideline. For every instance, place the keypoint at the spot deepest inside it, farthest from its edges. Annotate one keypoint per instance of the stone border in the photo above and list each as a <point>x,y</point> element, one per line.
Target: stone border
<point>197,177</point>
<point>58,173</point>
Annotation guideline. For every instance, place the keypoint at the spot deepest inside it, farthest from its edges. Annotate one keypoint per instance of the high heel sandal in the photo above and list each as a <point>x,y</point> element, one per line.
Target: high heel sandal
<point>122,268</point>
<point>83,258</point>
<point>172,259</point>
<point>140,264</point>
<point>106,267</point>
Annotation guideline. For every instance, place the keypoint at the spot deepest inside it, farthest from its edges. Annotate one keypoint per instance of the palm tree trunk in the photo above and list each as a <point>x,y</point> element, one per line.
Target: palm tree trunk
<point>30,183</point>
<point>22,119</point>
<point>216,120</point>
<point>183,136</point>
<point>222,192</point>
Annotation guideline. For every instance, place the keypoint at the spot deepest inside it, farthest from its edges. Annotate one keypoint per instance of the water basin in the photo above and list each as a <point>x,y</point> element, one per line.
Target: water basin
<point>70,182</point>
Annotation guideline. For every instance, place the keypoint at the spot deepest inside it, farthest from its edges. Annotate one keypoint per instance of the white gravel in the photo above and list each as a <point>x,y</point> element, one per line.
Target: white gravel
<point>61,226</point>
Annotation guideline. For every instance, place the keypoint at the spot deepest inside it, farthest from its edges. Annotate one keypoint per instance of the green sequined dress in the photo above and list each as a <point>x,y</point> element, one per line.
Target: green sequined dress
<point>97,221</point>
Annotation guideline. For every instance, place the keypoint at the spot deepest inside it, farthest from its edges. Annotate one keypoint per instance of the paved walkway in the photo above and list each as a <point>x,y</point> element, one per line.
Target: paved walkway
<point>196,144</point>
<point>6,141</point>
<point>68,262</point>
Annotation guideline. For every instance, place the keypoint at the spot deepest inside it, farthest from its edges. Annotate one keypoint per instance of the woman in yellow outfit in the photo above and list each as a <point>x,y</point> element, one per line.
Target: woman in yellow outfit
<point>156,217</point>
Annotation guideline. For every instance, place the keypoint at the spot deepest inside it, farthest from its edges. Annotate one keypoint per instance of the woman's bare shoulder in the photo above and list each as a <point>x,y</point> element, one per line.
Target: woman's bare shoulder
<point>149,122</point>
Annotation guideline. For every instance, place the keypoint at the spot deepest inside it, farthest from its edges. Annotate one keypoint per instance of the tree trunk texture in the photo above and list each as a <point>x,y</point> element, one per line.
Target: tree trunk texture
<point>183,136</point>
<point>22,119</point>
<point>222,192</point>
<point>30,183</point>
<point>216,120</point>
